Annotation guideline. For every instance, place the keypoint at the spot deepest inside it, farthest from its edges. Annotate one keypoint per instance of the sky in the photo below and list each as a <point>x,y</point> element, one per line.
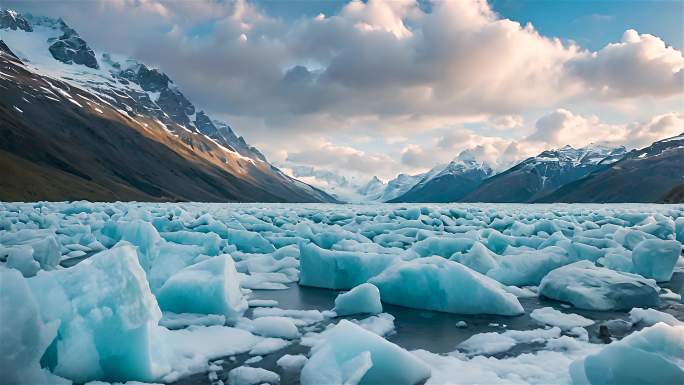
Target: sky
<point>369,88</point>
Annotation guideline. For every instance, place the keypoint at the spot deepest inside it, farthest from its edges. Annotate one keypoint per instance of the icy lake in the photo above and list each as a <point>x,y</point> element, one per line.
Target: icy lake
<point>192,293</point>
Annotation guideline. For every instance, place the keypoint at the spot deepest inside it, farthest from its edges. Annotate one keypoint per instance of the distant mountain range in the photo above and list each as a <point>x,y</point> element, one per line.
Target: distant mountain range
<point>651,174</point>
<point>594,173</point>
<point>450,184</point>
<point>77,124</point>
<point>538,176</point>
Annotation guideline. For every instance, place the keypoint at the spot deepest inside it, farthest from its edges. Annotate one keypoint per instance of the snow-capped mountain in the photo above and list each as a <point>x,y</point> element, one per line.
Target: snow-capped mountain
<point>448,183</point>
<point>400,185</point>
<point>651,174</point>
<point>537,176</point>
<point>91,108</point>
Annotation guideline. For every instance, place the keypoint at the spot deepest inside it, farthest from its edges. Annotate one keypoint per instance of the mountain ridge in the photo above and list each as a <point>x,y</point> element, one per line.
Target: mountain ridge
<point>108,133</point>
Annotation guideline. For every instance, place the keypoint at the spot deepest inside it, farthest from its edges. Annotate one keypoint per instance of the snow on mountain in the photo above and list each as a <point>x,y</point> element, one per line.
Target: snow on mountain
<point>400,185</point>
<point>54,49</point>
<point>46,61</point>
<point>448,183</point>
<point>652,174</point>
<point>537,176</point>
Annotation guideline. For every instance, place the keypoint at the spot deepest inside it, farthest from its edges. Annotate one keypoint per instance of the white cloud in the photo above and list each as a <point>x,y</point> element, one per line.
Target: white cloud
<point>638,65</point>
<point>562,127</point>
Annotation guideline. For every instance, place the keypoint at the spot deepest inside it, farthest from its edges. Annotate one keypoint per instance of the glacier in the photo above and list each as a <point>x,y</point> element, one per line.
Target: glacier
<point>283,293</point>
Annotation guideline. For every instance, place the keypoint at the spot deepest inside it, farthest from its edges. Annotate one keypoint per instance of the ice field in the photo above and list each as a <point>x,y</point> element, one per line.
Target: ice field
<point>192,293</point>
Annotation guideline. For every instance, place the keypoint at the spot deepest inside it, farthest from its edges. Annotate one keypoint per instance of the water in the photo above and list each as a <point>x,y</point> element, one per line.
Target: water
<point>421,329</point>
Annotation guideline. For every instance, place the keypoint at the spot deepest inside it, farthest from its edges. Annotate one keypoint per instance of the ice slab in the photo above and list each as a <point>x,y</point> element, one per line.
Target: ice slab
<point>588,286</point>
<point>351,355</point>
<point>208,287</point>
<point>435,283</point>
<point>364,298</point>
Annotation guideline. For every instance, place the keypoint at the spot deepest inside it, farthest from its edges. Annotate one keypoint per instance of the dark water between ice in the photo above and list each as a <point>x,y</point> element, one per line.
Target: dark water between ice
<point>420,329</point>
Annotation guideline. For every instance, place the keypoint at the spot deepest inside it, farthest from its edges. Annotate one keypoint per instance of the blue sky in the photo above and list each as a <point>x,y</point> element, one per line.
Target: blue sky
<point>591,23</point>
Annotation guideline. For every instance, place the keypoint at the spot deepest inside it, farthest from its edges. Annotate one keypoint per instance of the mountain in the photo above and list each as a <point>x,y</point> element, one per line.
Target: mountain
<point>538,176</point>
<point>651,174</point>
<point>75,124</point>
<point>400,185</point>
<point>447,184</point>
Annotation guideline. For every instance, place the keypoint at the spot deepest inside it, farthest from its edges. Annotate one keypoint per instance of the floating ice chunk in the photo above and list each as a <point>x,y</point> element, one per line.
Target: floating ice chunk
<point>528,268</point>
<point>679,229</point>
<point>210,242</point>
<point>339,269</point>
<point>264,281</point>
<point>364,298</point>
<point>487,343</point>
<point>274,326</point>
<point>588,286</point>
<point>292,363</point>
<point>191,349</point>
<point>350,354</point>
<point>656,258</point>
<point>654,355</point>
<point>262,303</point>
<point>630,238</point>
<point>435,283</point>
<point>381,324</point>
<point>478,258</point>
<point>172,258</point>
<point>650,317</point>
<point>209,287</point>
<point>172,320</point>
<point>24,335</point>
<point>139,233</point>
<point>247,375</point>
<point>250,242</point>
<point>442,246</point>
<point>21,258</point>
<point>108,318</point>
<point>493,343</point>
<point>552,317</point>
<point>268,346</point>
<point>300,317</point>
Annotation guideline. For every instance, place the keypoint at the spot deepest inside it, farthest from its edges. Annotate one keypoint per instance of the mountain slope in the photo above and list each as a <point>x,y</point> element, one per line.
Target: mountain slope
<point>115,130</point>
<point>450,184</point>
<point>652,174</point>
<point>538,176</point>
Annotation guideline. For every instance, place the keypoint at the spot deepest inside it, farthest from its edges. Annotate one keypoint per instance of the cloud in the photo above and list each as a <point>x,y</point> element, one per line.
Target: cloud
<point>322,154</point>
<point>638,65</point>
<point>400,73</point>
<point>562,127</point>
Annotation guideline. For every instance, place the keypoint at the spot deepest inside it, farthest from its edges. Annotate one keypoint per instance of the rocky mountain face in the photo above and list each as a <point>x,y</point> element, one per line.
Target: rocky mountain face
<point>448,184</point>
<point>10,19</point>
<point>538,176</point>
<point>651,174</point>
<point>81,125</point>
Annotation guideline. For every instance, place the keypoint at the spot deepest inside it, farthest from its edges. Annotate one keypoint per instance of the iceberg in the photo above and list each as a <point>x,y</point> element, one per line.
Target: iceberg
<point>435,283</point>
<point>107,319</point>
<point>208,287</point>
<point>552,317</point>
<point>352,355</point>
<point>587,286</point>
<point>364,298</point>
<point>656,258</point>
<point>339,269</point>
<point>25,336</point>
<point>654,355</point>
<point>528,268</point>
